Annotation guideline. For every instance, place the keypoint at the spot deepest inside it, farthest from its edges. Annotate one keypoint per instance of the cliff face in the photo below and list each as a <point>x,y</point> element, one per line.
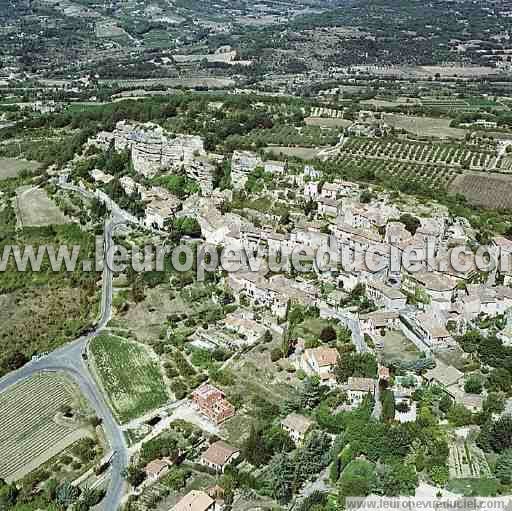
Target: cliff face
<point>242,164</point>
<point>154,150</point>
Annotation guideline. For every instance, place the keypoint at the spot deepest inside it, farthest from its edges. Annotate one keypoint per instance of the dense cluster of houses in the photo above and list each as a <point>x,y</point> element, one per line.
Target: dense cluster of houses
<point>429,305</point>
<point>445,300</point>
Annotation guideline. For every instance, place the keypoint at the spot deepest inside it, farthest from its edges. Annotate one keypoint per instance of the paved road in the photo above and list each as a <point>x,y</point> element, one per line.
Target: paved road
<point>377,408</point>
<point>352,323</point>
<point>68,359</point>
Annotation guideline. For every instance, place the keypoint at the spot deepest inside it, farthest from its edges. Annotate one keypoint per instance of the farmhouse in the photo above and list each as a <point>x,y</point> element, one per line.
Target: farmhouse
<point>196,501</point>
<point>219,455</point>
<point>358,388</point>
<point>157,469</point>
<point>212,403</point>
<point>320,362</point>
<point>297,426</point>
<point>161,205</point>
<point>275,293</point>
<point>329,191</point>
<point>99,176</point>
<point>275,167</point>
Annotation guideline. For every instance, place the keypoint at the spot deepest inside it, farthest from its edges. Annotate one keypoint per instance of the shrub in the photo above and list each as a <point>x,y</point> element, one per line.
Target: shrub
<point>275,354</point>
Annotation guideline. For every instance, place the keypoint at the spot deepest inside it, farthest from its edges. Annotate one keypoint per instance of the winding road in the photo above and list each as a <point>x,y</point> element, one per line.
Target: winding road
<point>69,360</point>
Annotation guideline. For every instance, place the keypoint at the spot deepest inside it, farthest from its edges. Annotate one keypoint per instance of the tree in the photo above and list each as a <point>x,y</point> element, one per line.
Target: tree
<point>134,475</point>
<point>362,365</point>
<point>398,479</point>
<point>494,404</point>
<point>311,459</point>
<point>358,480</point>
<point>459,415</point>
<point>328,334</point>
<point>276,354</point>
<point>499,380</point>
<point>285,343</point>
<point>445,403</point>
<point>280,474</point>
<point>366,197</point>
<point>8,495</point>
<point>311,392</point>
<point>503,468</point>
<point>411,223</point>
<point>473,384</point>
<point>501,434</point>
<point>66,495</point>
<point>344,335</point>
<point>439,475</point>
<point>388,405</point>
<point>254,447</point>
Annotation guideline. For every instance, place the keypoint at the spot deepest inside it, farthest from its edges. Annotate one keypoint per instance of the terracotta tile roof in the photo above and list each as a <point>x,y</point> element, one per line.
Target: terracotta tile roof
<point>195,501</point>
<point>156,466</point>
<point>219,453</point>
<point>323,356</point>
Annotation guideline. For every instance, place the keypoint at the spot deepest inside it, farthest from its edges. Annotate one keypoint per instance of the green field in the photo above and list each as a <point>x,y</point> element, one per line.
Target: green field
<point>130,376</point>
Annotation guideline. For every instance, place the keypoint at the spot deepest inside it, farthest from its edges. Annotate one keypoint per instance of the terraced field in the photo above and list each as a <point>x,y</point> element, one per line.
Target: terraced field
<point>29,433</point>
<point>131,377</point>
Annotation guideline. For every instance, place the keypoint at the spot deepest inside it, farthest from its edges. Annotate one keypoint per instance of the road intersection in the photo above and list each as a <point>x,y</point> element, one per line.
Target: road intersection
<point>70,360</point>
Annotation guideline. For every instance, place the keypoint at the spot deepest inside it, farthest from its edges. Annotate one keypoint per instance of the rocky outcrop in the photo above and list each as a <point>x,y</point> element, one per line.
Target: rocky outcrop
<point>153,150</point>
<point>242,164</point>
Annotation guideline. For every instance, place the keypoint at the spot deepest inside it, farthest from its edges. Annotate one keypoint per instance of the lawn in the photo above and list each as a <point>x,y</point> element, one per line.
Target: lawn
<point>311,328</point>
<point>474,487</point>
<point>397,346</point>
<point>130,376</point>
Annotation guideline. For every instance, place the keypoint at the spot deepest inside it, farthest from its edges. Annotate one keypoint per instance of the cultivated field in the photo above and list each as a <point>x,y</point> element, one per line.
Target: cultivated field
<point>424,126</point>
<point>327,122</point>
<point>429,175</point>
<point>207,81</point>
<point>305,153</point>
<point>31,432</point>
<point>36,209</point>
<point>485,189</point>
<point>12,167</point>
<point>451,155</point>
<point>130,376</point>
<point>467,461</point>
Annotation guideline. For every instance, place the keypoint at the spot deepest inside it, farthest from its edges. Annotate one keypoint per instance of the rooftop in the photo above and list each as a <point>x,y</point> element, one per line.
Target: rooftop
<point>194,501</point>
<point>323,356</point>
<point>219,453</point>
<point>361,384</point>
